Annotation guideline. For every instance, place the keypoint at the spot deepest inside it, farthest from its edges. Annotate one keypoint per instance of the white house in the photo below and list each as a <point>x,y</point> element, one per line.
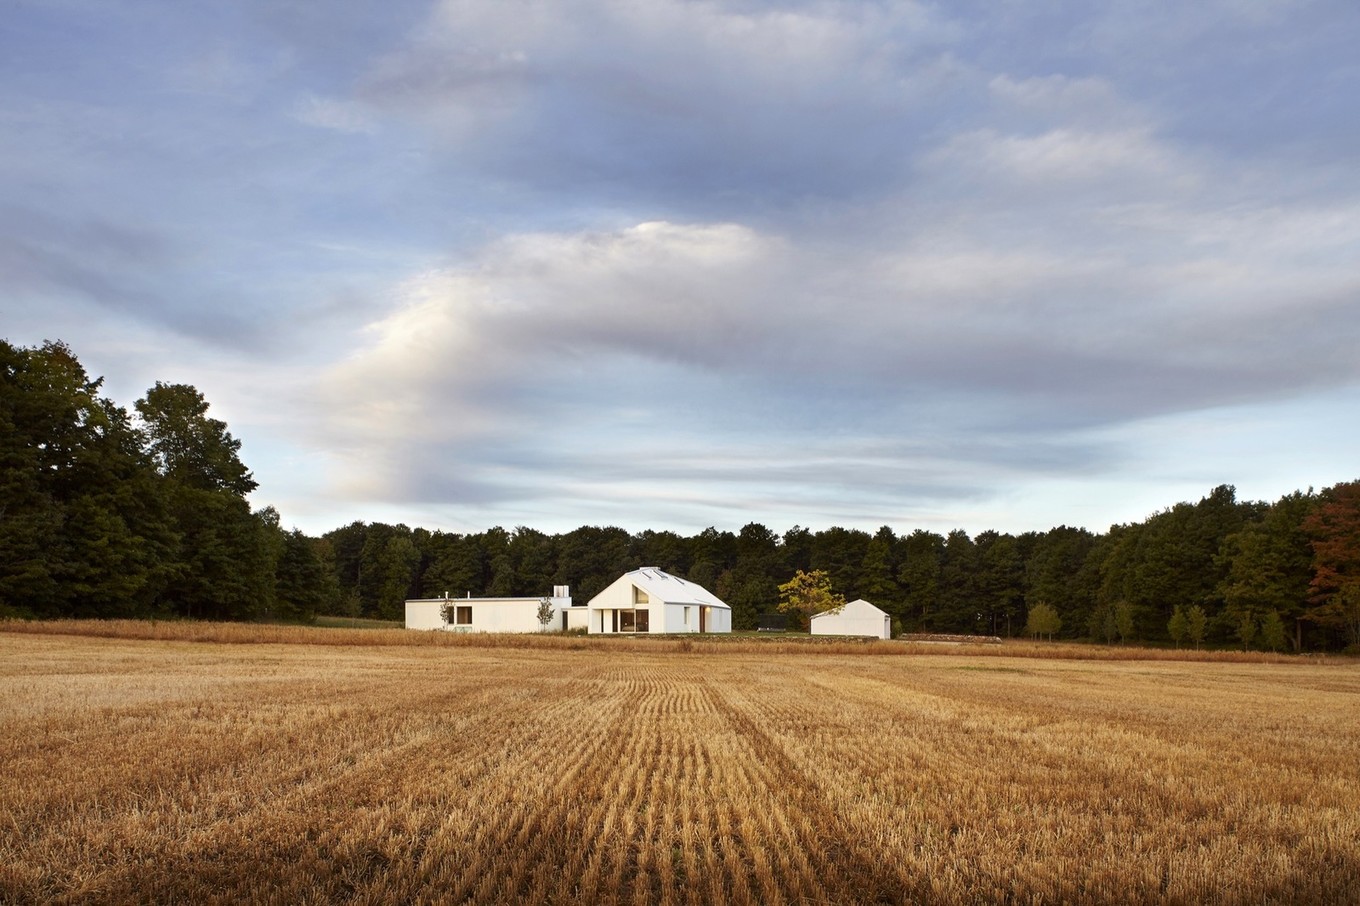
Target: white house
<point>651,600</point>
<point>494,614</point>
<point>857,617</point>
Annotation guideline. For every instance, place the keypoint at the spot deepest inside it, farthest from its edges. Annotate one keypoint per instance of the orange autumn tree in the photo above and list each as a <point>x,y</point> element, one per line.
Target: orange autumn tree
<point>1335,529</point>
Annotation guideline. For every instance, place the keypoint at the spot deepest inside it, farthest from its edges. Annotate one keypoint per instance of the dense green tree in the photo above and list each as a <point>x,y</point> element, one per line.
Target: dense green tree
<point>1245,629</point>
<point>838,552</point>
<point>398,566</point>
<point>224,567</point>
<point>1272,631</point>
<point>303,587</point>
<point>1102,625</point>
<point>748,594</point>
<point>665,550</point>
<point>347,546</point>
<point>1267,565</point>
<point>533,559</point>
<point>750,586</point>
<point>101,516</point>
<point>712,553</point>
<point>591,557</point>
<point>958,608</point>
<point>456,566</point>
<point>878,573</point>
<point>1061,572</point>
<point>797,550</point>
<point>919,576</point>
<point>334,599</point>
<point>1171,559</point>
<point>1000,582</point>
<point>189,447</point>
<point>83,524</point>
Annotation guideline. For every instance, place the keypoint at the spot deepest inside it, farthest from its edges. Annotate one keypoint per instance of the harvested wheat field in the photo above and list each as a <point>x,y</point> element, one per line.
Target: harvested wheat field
<point>143,770</point>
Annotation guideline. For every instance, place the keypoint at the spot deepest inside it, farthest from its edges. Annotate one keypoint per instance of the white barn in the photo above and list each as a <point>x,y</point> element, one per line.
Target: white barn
<point>858,618</point>
<point>494,614</point>
<point>651,600</point>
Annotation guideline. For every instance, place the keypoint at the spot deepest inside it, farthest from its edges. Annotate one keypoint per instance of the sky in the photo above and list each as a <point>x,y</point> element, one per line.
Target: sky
<point>672,264</point>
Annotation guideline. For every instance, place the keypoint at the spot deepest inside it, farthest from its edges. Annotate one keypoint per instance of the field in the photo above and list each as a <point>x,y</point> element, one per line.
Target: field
<point>208,771</point>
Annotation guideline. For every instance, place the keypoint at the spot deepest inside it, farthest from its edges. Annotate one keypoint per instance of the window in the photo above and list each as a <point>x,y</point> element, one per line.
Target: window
<point>633,621</point>
<point>463,616</point>
<point>640,596</point>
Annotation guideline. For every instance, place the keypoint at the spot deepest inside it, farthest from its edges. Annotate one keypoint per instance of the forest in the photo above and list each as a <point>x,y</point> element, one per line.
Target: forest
<point>107,513</point>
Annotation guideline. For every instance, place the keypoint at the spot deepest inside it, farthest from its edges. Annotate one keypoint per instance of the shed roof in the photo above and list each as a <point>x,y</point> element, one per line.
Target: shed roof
<point>858,607</point>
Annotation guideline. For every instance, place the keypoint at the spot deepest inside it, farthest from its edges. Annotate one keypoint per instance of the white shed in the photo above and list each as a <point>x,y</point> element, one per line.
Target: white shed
<point>651,600</point>
<point>858,617</point>
<point>494,614</point>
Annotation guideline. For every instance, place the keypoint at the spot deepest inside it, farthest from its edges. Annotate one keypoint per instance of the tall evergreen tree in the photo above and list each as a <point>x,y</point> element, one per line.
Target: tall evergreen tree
<point>1057,573</point>
<point>958,608</point>
<point>1000,583</point>
<point>878,573</point>
<point>919,576</point>
<point>1267,566</point>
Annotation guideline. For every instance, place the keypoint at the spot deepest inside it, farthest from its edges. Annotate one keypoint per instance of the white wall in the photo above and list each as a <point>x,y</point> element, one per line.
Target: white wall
<point>424,614</point>
<point>488,614</point>
<point>662,616</point>
<point>675,618</point>
<point>618,595</point>
<point>856,618</point>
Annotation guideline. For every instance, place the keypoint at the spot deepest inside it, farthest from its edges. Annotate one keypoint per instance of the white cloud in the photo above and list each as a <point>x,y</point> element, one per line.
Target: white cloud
<point>704,333</point>
<point>819,259</point>
<point>334,114</point>
<point>1132,159</point>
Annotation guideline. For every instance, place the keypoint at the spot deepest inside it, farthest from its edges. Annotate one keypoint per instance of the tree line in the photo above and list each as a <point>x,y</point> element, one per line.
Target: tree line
<point>109,515</point>
<point>1285,574</point>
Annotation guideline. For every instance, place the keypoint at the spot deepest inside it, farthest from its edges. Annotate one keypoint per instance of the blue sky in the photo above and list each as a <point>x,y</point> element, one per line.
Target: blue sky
<point>668,264</point>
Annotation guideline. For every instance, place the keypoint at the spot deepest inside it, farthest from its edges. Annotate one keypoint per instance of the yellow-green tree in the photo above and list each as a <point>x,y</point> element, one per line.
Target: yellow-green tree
<point>1043,621</point>
<point>809,593</point>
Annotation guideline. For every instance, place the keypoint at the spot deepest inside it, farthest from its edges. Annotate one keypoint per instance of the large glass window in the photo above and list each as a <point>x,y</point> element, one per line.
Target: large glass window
<point>463,616</point>
<point>633,621</point>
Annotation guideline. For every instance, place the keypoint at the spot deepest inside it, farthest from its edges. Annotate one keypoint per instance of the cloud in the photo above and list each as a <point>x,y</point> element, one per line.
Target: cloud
<point>836,258</point>
<point>673,355</point>
<point>683,103</point>
<point>330,113</point>
<point>1121,164</point>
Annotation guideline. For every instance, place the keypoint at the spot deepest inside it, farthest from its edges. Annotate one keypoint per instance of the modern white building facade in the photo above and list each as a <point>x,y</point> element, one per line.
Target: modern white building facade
<point>495,614</point>
<point>651,600</point>
<point>858,618</point>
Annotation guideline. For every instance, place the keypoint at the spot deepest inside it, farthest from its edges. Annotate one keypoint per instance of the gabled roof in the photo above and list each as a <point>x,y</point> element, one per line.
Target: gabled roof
<point>662,586</point>
<point>859,606</point>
